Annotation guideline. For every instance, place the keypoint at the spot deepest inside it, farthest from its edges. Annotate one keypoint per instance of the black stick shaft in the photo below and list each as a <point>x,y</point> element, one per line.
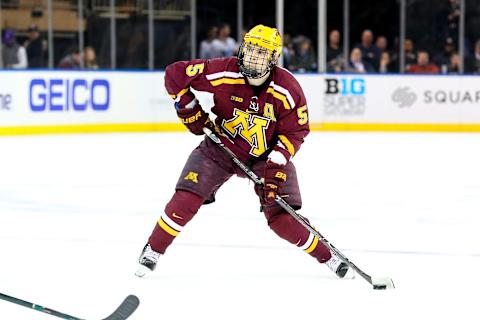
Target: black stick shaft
<point>37,307</point>
<point>285,205</point>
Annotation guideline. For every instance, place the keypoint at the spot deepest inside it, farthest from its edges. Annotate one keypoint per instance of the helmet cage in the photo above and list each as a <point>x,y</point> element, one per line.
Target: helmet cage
<point>256,61</point>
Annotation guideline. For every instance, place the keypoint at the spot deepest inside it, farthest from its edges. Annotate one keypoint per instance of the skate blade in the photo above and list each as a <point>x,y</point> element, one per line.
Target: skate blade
<point>142,271</point>
<point>349,275</point>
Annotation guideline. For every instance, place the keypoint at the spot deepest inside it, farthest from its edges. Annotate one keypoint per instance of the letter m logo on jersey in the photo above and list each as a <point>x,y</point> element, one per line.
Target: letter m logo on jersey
<point>250,127</point>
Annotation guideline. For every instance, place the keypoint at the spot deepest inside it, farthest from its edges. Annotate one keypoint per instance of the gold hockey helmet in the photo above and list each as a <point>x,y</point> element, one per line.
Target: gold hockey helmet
<point>259,52</point>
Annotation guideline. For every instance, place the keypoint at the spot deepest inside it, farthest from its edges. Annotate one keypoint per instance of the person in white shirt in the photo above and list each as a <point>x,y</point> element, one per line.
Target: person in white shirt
<point>224,45</point>
<point>13,55</point>
<point>206,46</point>
<point>356,64</point>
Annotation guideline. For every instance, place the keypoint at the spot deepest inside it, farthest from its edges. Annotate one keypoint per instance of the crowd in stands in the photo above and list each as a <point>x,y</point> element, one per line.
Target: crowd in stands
<point>372,54</point>
<point>376,57</point>
<point>33,52</point>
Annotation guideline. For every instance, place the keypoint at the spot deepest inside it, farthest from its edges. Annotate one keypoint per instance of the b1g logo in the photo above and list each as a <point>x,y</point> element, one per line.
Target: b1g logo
<point>69,94</point>
<point>345,96</point>
<point>5,101</point>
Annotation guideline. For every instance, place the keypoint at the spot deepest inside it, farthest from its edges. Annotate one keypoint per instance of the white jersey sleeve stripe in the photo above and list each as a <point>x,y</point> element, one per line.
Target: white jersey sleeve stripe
<point>224,74</point>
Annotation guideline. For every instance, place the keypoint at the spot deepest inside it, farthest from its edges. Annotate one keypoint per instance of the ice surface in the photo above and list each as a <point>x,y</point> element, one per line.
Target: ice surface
<point>76,210</point>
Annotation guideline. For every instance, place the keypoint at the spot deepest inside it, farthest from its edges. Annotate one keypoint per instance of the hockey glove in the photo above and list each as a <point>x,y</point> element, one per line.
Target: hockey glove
<point>275,176</point>
<point>195,119</point>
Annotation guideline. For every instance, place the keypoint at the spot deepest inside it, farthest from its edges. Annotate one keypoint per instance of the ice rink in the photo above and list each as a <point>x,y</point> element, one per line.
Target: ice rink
<point>75,211</point>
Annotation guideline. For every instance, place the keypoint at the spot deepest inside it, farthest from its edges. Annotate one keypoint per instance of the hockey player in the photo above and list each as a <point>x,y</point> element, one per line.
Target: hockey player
<point>262,117</point>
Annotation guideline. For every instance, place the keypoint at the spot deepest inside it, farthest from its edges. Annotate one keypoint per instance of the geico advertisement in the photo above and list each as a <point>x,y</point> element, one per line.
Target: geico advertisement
<point>392,99</point>
<point>63,94</point>
<point>60,97</point>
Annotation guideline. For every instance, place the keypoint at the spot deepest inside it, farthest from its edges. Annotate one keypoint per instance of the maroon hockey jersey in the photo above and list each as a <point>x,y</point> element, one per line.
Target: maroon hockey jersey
<point>255,119</point>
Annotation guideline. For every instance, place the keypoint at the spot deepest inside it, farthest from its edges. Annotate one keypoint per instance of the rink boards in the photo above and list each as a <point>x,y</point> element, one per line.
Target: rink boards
<point>39,102</point>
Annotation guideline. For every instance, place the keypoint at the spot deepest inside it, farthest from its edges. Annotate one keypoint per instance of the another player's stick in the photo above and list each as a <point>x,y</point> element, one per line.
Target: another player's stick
<point>377,283</point>
<point>125,310</point>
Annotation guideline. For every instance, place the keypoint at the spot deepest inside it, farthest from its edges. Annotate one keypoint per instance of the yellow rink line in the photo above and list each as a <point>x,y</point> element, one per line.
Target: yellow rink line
<point>397,127</point>
<point>178,127</point>
<point>92,128</point>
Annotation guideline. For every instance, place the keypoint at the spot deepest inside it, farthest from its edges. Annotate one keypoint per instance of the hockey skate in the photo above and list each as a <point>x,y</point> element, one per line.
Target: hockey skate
<point>341,269</point>
<point>147,260</point>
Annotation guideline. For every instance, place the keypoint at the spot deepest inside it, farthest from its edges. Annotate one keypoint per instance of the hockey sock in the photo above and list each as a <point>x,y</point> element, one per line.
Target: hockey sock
<point>285,226</point>
<point>181,209</point>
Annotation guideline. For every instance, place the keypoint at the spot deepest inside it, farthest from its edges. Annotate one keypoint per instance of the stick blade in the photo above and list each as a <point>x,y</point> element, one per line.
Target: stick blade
<point>125,309</point>
<point>382,283</point>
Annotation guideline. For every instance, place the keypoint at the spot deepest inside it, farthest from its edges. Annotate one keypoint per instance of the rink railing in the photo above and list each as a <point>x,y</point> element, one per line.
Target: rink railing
<point>50,102</point>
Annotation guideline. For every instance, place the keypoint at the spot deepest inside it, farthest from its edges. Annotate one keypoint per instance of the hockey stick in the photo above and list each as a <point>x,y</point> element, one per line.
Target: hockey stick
<point>125,310</point>
<point>377,283</point>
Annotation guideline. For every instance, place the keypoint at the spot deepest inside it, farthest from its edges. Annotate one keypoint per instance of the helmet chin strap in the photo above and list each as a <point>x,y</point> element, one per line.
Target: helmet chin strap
<point>258,81</point>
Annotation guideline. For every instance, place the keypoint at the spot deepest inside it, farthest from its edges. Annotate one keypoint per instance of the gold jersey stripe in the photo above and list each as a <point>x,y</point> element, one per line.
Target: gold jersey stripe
<point>227,81</point>
<point>167,228</point>
<point>280,97</point>
<point>181,93</point>
<point>287,144</point>
<point>312,246</point>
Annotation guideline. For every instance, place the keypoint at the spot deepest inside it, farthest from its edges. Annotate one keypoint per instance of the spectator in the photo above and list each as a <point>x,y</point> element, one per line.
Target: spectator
<point>357,64</point>
<point>423,64</point>
<point>224,45</point>
<point>13,55</point>
<point>472,64</point>
<point>90,58</point>
<point>287,50</point>
<point>334,49</point>
<point>370,53</point>
<point>304,59</point>
<point>454,64</point>
<point>442,59</point>
<point>36,48</point>
<point>410,56</point>
<point>381,43</point>
<point>335,59</point>
<point>385,63</point>
<point>71,61</point>
<point>206,46</point>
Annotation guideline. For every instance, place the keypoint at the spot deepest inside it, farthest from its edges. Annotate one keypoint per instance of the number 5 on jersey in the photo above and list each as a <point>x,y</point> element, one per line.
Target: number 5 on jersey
<point>302,115</point>
<point>194,69</point>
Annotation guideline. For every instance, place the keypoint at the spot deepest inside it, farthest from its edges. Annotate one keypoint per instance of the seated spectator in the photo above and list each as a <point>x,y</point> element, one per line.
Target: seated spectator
<point>385,63</point>
<point>381,43</point>
<point>224,45</point>
<point>357,64</point>
<point>442,59</point>
<point>410,56</point>
<point>206,46</point>
<point>71,61</point>
<point>423,64</point>
<point>472,64</point>
<point>454,64</point>
<point>90,58</point>
<point>335,60</point>
<point>304,59</point>
<point>287,50</point>
<point>13,55</point>
<point>334,49</point>
<point>370,53</point>
<point>36,48</point>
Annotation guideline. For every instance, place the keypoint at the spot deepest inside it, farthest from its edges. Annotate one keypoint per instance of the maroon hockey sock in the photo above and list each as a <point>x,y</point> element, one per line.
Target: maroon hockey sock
<point>181,209</point>
<point>285,226</point>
